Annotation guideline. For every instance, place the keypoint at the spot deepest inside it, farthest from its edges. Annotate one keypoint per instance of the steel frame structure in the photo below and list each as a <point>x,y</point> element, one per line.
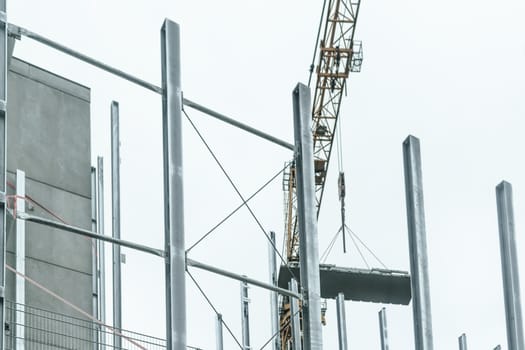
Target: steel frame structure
<point>172,102</point>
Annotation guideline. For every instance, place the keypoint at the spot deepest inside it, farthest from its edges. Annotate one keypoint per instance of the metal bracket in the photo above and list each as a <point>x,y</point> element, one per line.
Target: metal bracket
<point>3,17</point>
<point>14,31</point>
<point>2,197</point>
<point>3,105</point>
<point>2,293</point>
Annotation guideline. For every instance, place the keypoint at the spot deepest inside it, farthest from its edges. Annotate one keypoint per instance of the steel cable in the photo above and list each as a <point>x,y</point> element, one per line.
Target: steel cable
<point>238,193</point>
<point>238,207</point>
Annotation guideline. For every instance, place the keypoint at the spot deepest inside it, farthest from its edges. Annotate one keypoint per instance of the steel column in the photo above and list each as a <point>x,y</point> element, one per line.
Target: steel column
<point>20,246</point>
<point>218,331</point>
<point>462,340</point>
<point>173,188</point>
<point>341,322</point>
<point>94,259</point>
<point>383,330</point>
<point>245,316</point>
<point>3,163</point>
<point>115,205</point>
<point>509,267</point>
<point>100,231</point>
<point>274,302</point>
<point>417,245</point>
<point>307,218</point>
<point>295,317</point>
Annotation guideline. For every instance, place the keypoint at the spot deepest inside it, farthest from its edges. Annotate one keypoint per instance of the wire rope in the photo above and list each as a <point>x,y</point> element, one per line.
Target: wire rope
<point>238,193</point>
<point>237,208</point>
<point>367,248</point>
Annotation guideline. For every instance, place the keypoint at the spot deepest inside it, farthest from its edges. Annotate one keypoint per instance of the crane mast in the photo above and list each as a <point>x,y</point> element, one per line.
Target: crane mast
<point>338,55</point>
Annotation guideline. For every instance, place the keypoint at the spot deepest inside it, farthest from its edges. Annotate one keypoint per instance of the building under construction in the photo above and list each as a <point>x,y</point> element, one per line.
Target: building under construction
<point>55,280</point>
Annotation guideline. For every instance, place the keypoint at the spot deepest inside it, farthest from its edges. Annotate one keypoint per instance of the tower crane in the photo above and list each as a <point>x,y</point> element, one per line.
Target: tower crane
<point>338,55</point>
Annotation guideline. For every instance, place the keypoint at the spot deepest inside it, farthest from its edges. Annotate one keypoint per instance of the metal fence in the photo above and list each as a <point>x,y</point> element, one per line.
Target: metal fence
<point>29,328</point>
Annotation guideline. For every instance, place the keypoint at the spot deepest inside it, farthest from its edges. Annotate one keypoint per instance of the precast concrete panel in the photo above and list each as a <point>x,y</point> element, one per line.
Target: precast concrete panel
<point>49,131</point>
<point>49,138</point>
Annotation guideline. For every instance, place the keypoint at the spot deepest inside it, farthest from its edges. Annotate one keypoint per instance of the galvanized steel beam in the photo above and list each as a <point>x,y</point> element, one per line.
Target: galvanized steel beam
<point>213,269</point>
<point>341,322</point>
<point>245,316</point>
<point>115,206</point>
<point>307,218</point>
<point>100,231</point>
<point>20,246</point>
<point>219,344</point>
<point>383,329</point>
<point>417,245</point>
<point>19,31</point>
<point>90,234</point>
<point>462,340</point>
<point>509,267</point>
<point>295,318</point>
<point>173,187</point>
<point>94,261</point>
<point>237,124</point>
<point>3,163</point>
<point>274,302</point>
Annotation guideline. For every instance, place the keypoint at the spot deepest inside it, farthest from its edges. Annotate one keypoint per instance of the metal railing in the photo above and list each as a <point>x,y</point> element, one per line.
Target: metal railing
<point>31,328</point>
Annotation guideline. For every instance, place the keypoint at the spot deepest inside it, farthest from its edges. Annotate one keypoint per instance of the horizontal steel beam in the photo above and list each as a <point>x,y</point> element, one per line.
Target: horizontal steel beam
<point>87,233</point>
<point>199,265</point>
<point>19,31</point>
<point>240,125</point>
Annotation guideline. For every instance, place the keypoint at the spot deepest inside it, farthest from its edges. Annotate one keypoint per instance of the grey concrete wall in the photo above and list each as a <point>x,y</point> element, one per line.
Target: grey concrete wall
<point>48,136</point>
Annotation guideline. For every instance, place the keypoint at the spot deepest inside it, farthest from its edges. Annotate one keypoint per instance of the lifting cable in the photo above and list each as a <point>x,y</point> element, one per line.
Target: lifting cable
<point>238,193</point>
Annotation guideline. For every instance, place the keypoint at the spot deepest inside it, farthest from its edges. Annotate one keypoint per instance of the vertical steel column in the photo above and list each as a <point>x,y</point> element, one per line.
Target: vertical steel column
<point>3,167</point>
<point>383,330</point>
<point>245,316</point>
<point>115,204</point>
<point>218,331</point>
<point>462,342</point>
<point>417,245</point>
<point>341,322</point>
<point>306,212</point>
<point>20,246</point>
<point>173,188</point>
<point>94,259</point>
<point>100,230</point>
<point>274,302</point>
<point>295,317</point>
<point>509,267</point>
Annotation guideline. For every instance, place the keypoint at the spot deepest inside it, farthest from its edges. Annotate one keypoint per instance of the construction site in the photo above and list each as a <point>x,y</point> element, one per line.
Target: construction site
<point>338,174</point>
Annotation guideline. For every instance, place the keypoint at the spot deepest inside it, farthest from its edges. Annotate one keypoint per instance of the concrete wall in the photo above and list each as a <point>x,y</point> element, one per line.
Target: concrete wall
<point>48,137</point>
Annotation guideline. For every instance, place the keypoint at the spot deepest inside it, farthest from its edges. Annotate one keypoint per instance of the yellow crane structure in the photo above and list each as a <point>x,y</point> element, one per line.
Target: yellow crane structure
<point>338,55</point>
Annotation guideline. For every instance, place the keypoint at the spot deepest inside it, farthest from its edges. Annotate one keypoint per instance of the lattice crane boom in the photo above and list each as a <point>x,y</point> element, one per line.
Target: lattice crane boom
<point>338,55</point>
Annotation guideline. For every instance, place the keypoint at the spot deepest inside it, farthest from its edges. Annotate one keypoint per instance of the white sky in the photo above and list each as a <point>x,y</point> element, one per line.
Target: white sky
<point>450,73</point>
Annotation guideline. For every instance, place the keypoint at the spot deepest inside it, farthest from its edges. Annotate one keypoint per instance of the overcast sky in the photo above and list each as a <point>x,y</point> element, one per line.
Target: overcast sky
<point>448,72</point>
